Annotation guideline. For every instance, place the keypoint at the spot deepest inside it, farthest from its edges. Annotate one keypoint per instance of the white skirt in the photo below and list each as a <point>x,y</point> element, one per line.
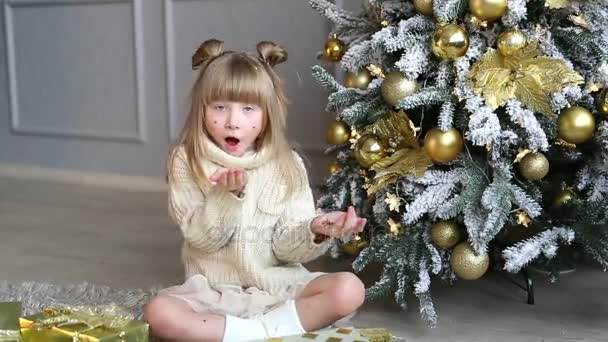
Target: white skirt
<point>232,299</point>
<point>235,300</point>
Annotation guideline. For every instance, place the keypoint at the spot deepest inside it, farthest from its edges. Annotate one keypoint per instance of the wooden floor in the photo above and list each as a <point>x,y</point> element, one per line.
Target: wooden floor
<point>69,234</point>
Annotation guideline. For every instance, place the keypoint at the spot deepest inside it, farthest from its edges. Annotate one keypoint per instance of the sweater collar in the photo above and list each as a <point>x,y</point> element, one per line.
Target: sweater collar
<point>249,160</point>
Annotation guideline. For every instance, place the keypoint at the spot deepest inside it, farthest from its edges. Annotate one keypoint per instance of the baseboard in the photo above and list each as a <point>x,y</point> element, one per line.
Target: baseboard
<point>107,180</point>
<point>318,167</point>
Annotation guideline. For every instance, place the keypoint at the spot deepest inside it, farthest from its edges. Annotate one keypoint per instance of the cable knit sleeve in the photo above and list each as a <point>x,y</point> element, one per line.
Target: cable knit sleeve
<point>208,220</point>
<point>293,240</point>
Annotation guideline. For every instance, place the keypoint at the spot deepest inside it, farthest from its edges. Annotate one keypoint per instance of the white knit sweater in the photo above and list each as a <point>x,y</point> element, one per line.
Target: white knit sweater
<point>251,241</point>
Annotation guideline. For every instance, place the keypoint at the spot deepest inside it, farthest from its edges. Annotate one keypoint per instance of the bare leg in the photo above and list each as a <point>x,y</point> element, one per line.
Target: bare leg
<point>173,319</point>
<point>328,298</point>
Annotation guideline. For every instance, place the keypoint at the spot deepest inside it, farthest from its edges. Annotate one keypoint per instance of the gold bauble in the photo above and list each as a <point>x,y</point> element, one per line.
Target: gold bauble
<point>354,246</point>
<point>602,102</point>
<point>450,41</point>
<point>442,146</point>
<point>334,49</point>
<point>466,264</point>
<point>445,234</point>
<point>424,6</point>
<point>534,166</point>
<point>334,167</point>
<point>509,42</point>
<point>563,197</point>
<point>576,125</point>
<point>396,87</point>
<point>360,79</point>
<point>368,150</point>
<point>488,10</point>
<point>338,133</point>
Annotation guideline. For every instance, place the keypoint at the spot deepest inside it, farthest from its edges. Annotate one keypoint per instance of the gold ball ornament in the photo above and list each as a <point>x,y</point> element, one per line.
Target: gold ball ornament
<point>509,42</point>
<point>466,264</point>
<point>442,146</point>
<point>396,87</point>
<point>450,41</point>
<point>445,234</point>
<point>424,6</point>
<point>488,10</point>
<point>359,80</point>
<point>534,166</point>
<point>334,49</point>
<point>334,167</point>
<point>602,102</point>
<point>368,150</point>
<point>576,125</point>
<point>563,197</point>
<point>354,246</point>
<point>338,133</point>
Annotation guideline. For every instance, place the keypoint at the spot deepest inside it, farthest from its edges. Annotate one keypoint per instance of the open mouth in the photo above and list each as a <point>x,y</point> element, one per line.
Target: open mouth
<point>232,141</point>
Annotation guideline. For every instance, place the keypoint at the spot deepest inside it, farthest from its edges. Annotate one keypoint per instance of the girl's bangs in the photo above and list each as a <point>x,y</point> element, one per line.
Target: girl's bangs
<point>240,82</point>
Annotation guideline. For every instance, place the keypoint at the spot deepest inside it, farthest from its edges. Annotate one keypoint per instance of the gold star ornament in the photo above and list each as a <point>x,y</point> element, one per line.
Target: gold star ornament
<point>523,218</point>
<point>393,202</point>
<point>394,227</point>
<point>375,70</point>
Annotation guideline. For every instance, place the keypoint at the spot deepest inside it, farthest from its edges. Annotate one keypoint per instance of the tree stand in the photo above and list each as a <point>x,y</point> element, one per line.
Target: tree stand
<point>528,284</point>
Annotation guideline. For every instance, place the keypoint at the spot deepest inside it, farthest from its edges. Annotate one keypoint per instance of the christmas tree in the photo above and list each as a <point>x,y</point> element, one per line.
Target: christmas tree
<point>472,134</point>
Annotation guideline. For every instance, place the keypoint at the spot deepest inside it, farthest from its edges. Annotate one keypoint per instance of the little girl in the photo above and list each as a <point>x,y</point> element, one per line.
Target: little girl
<point>241,198</point>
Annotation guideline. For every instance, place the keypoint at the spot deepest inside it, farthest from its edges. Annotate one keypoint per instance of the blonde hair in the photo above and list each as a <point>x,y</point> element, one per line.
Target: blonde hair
<point>239,77</point>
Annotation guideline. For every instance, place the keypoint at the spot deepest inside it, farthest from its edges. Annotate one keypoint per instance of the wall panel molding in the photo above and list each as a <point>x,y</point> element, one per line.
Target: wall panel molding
<point>170,68</point>
<point>139,136</point>
<point>171,87</point>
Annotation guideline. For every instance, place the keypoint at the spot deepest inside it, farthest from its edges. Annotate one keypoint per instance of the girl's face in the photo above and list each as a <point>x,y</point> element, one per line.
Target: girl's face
<point>234,126</point>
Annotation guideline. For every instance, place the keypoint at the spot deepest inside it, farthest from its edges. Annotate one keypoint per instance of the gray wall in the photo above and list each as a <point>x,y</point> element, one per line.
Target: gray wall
<point>355,6</point>
<point>101,86</point>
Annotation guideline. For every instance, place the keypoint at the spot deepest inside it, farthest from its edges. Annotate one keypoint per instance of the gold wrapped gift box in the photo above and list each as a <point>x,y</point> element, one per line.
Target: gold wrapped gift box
<point>9,321</point>
<point>85,324</point>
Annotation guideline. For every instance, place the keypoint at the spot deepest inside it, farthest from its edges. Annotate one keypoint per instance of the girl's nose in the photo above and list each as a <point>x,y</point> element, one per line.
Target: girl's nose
<point>232,122</point>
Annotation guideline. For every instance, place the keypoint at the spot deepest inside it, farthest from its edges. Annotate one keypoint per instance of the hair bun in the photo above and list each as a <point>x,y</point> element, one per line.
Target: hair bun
<point>208,49</point>
<point>271,53</point>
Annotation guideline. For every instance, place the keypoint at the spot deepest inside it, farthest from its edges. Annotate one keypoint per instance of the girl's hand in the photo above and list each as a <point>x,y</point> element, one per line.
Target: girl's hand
<point>233,179</point>
<point>338,224</point>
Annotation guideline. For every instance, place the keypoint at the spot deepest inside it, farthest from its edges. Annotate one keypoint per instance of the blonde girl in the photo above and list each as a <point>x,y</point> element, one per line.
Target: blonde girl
<point>241,198</point>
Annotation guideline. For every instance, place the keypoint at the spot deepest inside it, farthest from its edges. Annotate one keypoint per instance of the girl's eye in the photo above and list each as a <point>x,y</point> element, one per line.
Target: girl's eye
<point>219,107</point>
<point>249,109</point>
